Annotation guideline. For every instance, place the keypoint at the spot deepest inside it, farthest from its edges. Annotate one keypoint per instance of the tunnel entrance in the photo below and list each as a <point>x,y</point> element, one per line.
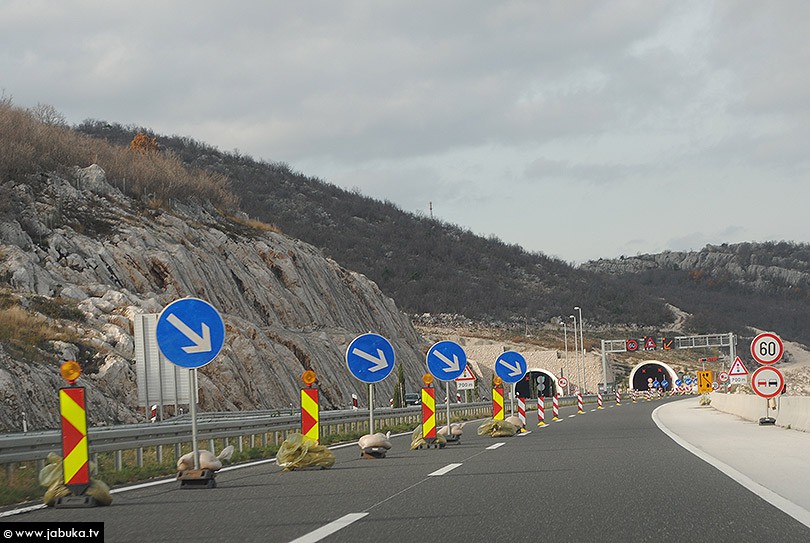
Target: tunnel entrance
<point>530,387</point>
<point>648,373</point>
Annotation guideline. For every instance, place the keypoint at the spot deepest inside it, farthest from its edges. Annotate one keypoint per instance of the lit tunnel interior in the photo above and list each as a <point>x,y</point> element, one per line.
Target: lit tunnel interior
<point>531,387</point>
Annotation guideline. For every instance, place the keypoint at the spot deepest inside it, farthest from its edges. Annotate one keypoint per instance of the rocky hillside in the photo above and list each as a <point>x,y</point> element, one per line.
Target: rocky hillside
<point>78,259</point>
<point>729,286</point>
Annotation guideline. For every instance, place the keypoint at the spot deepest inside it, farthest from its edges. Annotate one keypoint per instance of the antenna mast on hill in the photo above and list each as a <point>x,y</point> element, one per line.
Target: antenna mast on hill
<point>430,205</point>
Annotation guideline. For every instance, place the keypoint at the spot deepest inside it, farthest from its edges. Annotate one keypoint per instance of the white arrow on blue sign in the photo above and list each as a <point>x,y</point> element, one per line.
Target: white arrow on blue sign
<point>190,332</point>
<point>446,360</point>
<point>511,367</point>
<point>678,382</point>
<point>370,358</point>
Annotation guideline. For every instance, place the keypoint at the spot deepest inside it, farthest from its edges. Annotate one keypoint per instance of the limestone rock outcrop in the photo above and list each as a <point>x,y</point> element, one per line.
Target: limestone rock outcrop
<point>77,241</point>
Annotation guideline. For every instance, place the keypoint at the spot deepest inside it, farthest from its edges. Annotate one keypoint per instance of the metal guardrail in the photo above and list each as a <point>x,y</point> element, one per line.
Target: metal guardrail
<point>35,446</point>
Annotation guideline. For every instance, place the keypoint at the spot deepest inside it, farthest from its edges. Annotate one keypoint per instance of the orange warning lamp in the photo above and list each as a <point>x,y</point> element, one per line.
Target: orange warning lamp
<point>308,377</point>
<point>70,371</point>
<point>427,379</point>
<point>497,381</point>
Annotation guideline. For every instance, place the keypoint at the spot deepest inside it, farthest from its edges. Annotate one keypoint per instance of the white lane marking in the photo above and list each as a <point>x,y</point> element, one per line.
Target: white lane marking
<point>22,510</point>
<point>496,445</point>
<point>445,469</point>
<point>592,410</point>
<point>571,416</point>
<point>527,432</point>
<point>330,528</point>
<point>794,510</point>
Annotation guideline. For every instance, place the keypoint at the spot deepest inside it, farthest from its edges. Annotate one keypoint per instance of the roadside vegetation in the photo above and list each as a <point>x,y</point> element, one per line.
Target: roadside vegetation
<point>38,141</point>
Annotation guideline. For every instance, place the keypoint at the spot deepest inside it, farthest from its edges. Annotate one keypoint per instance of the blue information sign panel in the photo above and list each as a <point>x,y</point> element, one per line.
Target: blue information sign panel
<point>370,358</point>
<point>511,367</point>
<point>190,332</point>
<point>446,360</point>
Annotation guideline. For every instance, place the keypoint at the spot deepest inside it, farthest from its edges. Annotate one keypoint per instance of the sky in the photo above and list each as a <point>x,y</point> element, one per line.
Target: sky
<point>577,129</point>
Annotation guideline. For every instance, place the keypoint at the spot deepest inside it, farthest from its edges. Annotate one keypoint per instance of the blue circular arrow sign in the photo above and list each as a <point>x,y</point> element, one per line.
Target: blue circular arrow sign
<point>370,358</point>
<point>446,360</point>
<point>190,332</point>
<point>511,367</point>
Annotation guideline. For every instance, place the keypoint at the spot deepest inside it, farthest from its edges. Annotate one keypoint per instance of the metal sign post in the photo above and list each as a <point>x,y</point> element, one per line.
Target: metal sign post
<point>190,333</point>
<point>370,359</point>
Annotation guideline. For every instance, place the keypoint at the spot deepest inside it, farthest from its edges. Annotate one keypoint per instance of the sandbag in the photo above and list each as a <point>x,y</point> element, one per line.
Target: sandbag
<point>515,421</point>
<point>378,440</point>
<point>418,441</point>
<point>497,428</point>
<point>456,429</point>
<point>298,451</point>
<point>207,459</point>
<point>51,476</point>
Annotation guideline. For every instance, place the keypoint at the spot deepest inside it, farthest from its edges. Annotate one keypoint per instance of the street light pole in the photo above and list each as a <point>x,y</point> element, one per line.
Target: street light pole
<point>576,351</point>
<point>565,335</point>
<point>582,346</point>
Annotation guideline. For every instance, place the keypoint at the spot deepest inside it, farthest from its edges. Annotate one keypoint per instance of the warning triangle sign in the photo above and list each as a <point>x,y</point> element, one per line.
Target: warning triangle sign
<point>466,375</point>
<point>738,368</point>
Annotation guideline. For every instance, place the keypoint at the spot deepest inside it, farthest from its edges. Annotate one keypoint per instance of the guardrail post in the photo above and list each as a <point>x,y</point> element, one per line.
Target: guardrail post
<point>93,466</point>
<point>10,472</point>
<point>178,451</point>
<point>118,461</point>
<point>240,443</point>
<point>159,454</point>
<point>212,446</point>
<point>264,440</point>
<point>139,457</point>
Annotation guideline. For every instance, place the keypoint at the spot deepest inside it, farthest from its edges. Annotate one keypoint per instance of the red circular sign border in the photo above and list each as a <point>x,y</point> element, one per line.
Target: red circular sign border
<point>778,391</point>
<point>778,340</point>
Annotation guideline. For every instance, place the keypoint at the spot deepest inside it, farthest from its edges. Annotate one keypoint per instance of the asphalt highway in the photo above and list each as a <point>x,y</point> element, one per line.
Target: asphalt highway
<point>606,475</point>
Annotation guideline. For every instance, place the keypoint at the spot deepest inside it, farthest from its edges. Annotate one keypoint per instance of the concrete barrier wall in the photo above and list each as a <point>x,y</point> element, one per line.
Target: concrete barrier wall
<point>791,411</point>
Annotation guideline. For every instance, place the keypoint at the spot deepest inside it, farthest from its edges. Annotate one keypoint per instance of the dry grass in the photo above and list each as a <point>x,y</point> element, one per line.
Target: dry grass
<point>29,146</point>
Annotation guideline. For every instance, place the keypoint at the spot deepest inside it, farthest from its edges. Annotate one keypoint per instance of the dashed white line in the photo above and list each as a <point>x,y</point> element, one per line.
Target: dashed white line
<point>571,416</point>
<point>496,445</point>
<point>330,528</point>
<point>445,469</point>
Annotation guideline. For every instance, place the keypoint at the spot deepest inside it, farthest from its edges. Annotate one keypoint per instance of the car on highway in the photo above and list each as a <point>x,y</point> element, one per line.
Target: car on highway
<point>413,398</point>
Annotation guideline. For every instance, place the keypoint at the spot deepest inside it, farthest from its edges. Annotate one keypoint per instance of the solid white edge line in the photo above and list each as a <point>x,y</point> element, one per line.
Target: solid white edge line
<point>329,529</point>
<point>794,510</point>
<point>445,469</point>
<point>496,445</point>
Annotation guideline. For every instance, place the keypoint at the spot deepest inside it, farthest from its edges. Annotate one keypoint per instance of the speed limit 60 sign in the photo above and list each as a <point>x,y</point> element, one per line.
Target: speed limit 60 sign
<point>767,348</point>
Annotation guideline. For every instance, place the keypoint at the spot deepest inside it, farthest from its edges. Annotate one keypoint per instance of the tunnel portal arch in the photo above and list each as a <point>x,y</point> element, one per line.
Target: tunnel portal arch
<point>651,369</point>
<point>528,387</point>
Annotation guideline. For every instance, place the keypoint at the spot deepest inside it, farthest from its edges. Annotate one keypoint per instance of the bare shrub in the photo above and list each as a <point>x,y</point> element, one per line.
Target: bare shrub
<point>28,145</point>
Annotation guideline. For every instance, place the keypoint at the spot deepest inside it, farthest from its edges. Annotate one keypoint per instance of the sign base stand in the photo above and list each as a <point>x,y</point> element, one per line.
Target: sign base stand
<point>373,453</point>
<point>767,421</point>
<point>197,478</point>
<point>73,502</point>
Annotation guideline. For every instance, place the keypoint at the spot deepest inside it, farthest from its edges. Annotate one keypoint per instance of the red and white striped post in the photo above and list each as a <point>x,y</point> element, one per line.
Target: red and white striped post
<point>633,395</point>
<point>541,411</point>
<point>522,411</point>
<point>599,400</point>
<point>618,398</point>
<point>555,407</point>
<point>579,403</point>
